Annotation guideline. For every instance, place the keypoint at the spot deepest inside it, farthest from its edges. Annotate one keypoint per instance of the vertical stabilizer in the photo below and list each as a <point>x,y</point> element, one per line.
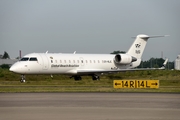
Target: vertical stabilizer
<point>137,48</point>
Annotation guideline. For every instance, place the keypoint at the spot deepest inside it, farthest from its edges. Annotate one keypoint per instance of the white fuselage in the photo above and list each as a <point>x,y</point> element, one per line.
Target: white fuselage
<point>77,65</point>
<point>57,63</point>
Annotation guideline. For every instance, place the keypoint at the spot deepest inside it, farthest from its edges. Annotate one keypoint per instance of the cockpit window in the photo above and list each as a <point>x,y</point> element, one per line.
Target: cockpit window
<point>33,59</point>
<point>24,59</point>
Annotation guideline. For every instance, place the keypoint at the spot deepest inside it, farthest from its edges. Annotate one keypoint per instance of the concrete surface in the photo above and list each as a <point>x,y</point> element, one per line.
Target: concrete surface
<point>89,106</point>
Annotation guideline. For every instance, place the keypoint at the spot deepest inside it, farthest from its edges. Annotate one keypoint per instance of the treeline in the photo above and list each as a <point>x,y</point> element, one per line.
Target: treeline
<point>155,63</point>
<point>5,56</point>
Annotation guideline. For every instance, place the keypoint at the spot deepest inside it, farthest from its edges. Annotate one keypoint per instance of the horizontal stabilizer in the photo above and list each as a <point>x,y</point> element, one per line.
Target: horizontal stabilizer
<point>146,36</point>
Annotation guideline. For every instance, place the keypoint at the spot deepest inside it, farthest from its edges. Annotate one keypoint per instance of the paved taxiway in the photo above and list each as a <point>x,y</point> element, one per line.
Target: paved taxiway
<point>89,106</point>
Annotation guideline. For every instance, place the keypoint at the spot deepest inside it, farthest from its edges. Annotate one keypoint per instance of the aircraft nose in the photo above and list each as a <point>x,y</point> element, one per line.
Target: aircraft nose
<point>15,68</point>
<point>12,69</point>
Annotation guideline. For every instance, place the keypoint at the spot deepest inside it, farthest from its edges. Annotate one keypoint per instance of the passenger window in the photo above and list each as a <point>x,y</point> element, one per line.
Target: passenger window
<point>24,59</point>
<point>33,59</point>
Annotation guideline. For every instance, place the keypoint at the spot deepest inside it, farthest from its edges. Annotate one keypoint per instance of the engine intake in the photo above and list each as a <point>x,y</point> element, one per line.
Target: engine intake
<point>124,59</point>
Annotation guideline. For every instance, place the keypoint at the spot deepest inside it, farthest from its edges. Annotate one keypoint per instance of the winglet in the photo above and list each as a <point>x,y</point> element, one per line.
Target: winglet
<point>164,64</point>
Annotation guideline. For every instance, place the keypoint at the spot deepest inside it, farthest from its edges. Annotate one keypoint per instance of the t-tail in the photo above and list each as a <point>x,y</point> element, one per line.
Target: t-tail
<point>137,48</point>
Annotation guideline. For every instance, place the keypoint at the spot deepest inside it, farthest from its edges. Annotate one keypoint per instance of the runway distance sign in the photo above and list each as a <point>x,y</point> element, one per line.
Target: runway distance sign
<point>136,83</point>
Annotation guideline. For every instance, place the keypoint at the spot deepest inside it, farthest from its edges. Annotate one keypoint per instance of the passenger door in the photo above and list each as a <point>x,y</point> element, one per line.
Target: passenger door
<point>45,62</point>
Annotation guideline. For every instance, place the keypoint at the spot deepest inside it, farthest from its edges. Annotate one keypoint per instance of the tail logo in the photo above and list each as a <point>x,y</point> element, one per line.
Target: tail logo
<point>137,45</point>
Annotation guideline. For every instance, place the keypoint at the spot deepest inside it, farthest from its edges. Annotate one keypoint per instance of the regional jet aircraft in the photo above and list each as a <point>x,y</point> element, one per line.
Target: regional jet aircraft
<point>77,65</point>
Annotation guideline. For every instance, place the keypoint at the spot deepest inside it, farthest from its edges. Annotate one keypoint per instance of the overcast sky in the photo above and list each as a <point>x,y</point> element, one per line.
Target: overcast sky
<point>89,26</point>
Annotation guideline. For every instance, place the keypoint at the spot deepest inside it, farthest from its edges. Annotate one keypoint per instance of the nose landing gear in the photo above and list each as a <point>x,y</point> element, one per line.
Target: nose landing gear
<point>23,80</point>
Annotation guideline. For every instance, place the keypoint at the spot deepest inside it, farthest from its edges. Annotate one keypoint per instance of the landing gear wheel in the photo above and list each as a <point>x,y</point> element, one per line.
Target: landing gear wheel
<point>23,80</point>
<point>95,77</point>
<point>77,78</point>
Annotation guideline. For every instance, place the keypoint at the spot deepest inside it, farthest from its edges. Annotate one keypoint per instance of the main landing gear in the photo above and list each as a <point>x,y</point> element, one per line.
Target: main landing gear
<point>94,77</point>
<point>23,80</point>
<point>76,78</point>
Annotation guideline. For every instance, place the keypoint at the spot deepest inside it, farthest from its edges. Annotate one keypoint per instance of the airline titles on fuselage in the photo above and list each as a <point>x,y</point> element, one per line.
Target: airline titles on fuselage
<point>61,65</point>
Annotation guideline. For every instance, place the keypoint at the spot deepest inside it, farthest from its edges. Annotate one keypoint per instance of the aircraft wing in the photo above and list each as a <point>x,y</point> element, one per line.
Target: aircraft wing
<point>86,71</point>
<point>100,71</point>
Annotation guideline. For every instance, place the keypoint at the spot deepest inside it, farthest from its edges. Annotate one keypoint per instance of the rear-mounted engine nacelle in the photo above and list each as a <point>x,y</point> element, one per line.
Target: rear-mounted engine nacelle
<point>124,59</point>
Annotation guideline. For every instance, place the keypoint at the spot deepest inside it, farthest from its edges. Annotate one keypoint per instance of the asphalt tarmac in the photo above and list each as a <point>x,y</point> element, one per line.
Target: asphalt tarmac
<point>89,106</point>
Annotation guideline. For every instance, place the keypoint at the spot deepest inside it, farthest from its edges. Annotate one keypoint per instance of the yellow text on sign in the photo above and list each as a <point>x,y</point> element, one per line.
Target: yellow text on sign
<point>136,83</point>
